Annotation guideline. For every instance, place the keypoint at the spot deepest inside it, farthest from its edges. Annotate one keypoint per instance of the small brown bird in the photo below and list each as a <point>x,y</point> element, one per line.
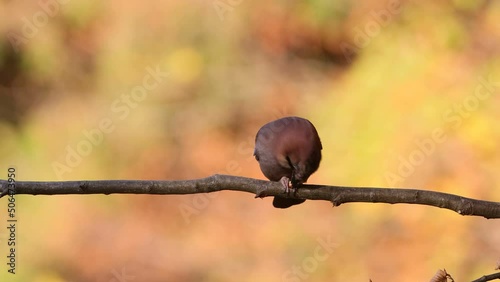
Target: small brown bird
<point>288,150</point>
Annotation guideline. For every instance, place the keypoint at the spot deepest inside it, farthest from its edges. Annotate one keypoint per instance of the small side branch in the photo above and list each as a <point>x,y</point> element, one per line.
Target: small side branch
<point>336,194</point>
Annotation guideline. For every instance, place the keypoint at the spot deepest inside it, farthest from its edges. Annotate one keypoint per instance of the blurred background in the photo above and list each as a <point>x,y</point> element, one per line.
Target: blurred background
<point>402,93</point>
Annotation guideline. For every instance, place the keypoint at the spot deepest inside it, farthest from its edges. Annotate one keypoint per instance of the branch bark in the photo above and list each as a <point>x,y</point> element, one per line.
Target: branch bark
<point>488,277</point>
<point>336,194</point>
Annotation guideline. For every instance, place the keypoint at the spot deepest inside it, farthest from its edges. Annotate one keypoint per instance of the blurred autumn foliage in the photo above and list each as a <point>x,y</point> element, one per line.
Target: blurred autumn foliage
<point>403,94</point>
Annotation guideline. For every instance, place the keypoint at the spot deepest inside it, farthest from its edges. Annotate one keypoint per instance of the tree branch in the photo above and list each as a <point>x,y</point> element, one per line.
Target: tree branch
<point>336,194</point>
<point>488,277</point>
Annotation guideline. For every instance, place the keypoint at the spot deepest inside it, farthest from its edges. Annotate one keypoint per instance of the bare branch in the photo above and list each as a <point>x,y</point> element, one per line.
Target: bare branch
<point>488,277</point>
<point>336,194</point>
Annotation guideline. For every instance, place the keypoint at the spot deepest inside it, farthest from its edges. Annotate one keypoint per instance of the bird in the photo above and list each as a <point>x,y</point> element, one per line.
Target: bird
<point>288,150</point>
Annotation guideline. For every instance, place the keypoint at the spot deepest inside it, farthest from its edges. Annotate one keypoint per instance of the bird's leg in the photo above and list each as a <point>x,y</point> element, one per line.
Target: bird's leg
<point>293,183</point>
<point>286,183</point>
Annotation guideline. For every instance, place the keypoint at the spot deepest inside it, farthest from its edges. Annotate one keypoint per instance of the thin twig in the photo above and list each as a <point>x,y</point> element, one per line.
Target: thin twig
<point>336,194</point>
<point>488,277</point>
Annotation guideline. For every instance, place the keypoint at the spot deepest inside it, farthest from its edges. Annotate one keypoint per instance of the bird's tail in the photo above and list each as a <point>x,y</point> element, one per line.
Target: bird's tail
<point>283,203</point>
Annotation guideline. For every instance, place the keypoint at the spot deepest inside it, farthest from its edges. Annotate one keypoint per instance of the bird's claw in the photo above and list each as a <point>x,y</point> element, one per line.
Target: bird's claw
<point>287,184</point>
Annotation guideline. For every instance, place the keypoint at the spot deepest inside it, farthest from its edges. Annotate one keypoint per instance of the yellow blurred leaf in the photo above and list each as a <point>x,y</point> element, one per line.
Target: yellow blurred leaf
<point>185,64</point>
